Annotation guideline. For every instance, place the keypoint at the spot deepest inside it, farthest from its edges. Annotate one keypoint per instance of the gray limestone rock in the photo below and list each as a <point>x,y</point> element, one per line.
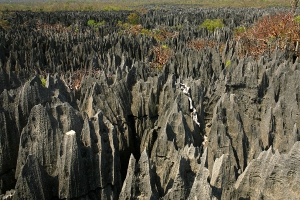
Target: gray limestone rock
<point>140,180</point>
<point>9,139</point>
<point>71,169</point>
<point>46,126</point>
<point>271,176</point>
<point>187,173</point>
<point>100,154</point>
<point>201,189</point>
<point>33,182</point>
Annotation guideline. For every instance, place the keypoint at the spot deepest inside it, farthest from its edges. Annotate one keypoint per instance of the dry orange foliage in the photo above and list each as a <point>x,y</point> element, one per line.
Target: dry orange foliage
<point>162,34</point>
<point>201,44</point>
<point>279,31</point>
<point>162,55</point>
<point>58,28</point>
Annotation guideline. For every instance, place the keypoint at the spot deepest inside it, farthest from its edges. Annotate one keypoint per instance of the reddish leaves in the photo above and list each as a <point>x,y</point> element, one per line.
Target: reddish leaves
<point>58,28</point>
<point>201,44</point>
<point>278,31</point>
<point>162,55</point>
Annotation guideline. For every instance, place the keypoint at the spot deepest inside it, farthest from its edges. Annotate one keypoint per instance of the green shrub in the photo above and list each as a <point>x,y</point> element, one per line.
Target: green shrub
<point>91,23</point>
<point>158,31</point>
<point>101,23</point>
<point>133,18</point>
<point>4,24</point>
<point>44,81</point>
<point>126,26</point>
<point>228,63</point>
<point>239,29</point>
<point>146,32</point>
<point>297,19</point>
<point>212,24</point>
<point>179,27</point>
<point>164,46</point>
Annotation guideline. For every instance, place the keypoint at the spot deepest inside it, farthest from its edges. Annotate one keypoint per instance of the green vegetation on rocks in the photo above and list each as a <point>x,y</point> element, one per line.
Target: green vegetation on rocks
<point>92,23</point>
<point>212,24</point>
<point>133,18</point>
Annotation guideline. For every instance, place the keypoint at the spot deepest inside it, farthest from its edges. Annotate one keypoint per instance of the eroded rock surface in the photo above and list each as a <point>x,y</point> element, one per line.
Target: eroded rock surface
<point>127,130</point>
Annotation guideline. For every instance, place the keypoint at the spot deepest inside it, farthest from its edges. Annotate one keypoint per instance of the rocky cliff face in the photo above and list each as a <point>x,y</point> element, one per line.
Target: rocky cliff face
<point>196,128</point>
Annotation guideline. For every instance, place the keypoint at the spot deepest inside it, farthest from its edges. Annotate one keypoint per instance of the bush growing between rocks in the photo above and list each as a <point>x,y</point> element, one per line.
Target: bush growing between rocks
<point>44,81</point>
<point>93,24</point>
<point>162,54</point>
<point>279,31</point>
<point>160,34</point>
<point>164,46</point>
<point>133,18</point>
<point>212,24</point>
<point>297,19</point>
<point>3,22</point>
<point>201,44</point>
<point>228,63</point>
<point>58,28</point>
<point>146,32</point>
<point>131,29</point>
<point>239,29</point>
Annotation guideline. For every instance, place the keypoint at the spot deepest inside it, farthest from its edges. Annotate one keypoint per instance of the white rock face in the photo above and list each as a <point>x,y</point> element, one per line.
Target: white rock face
<point>71,132</point>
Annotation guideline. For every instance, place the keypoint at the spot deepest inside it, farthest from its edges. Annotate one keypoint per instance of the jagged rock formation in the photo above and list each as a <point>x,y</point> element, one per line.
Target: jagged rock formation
<point>270,176</point>
<point>32,182</point>
<point>128,131</point>
<point>140,180</point>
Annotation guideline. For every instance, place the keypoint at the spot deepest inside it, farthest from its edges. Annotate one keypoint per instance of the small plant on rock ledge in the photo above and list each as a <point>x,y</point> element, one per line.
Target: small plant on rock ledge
<point>44,81</point>
<point>228,63</point>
